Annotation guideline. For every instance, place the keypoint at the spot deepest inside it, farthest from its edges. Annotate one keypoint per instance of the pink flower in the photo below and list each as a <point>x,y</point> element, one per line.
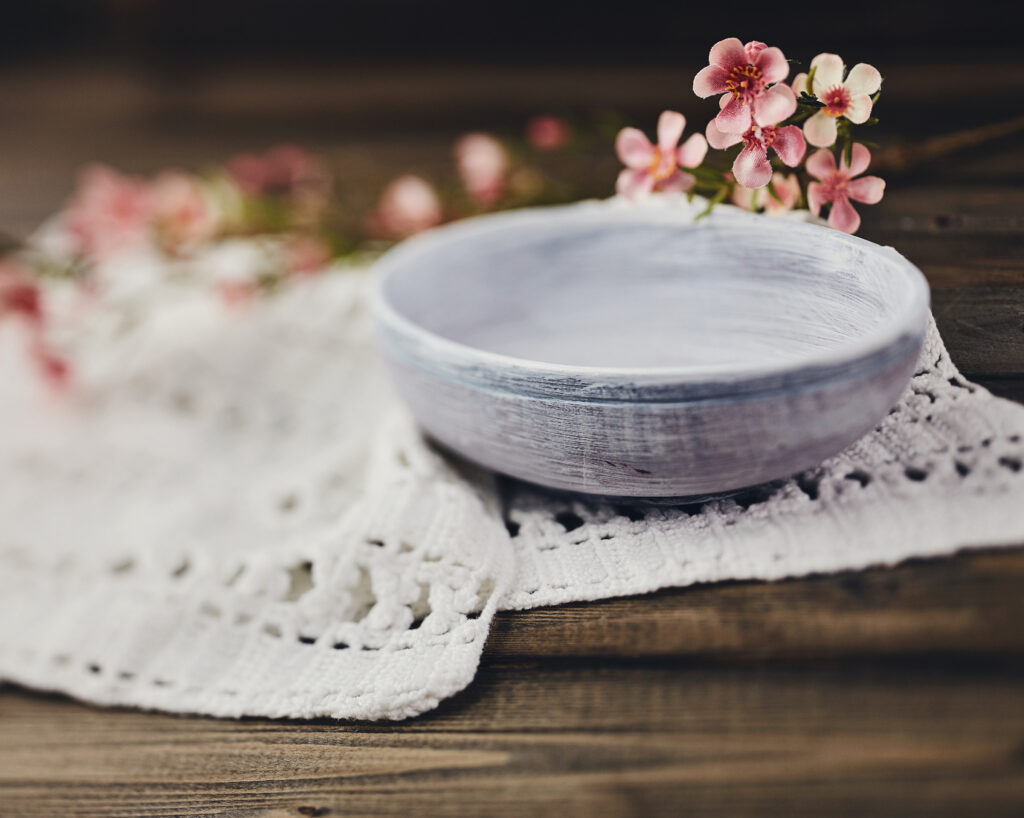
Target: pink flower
<point>19,294</point>
<point>282,169</point>
<point>751,166</point>
<point>547,133</point>
<point>483,164</point>
<point>656,167</point>
<point>20,298</point>
<point>408,205</point>
<point>745,76</point>
<point>108,213</point>
<point>837,186</point>
<point>787,189</point>
<point>306,255</point>
<point>184,214</point>
<point>850,98</point>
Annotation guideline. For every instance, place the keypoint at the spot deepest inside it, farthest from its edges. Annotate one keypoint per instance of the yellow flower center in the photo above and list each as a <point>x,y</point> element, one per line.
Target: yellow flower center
<point>662,165</point>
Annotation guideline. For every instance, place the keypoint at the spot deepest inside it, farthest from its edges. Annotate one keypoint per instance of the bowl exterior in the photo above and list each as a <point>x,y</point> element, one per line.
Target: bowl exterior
<point>674,448</point>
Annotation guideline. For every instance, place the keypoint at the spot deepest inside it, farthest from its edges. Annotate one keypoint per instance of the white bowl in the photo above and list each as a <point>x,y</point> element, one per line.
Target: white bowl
<point>635,352</point>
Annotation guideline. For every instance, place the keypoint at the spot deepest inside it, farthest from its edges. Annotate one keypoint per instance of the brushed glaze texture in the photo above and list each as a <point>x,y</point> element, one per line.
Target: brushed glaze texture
<point>632,351</point>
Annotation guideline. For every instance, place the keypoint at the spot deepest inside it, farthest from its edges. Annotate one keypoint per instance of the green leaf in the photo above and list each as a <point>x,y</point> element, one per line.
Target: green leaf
<point>810,77</point>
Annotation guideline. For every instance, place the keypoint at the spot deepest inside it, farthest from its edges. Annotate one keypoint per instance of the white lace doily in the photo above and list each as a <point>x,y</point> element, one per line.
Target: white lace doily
<point>230,514</point>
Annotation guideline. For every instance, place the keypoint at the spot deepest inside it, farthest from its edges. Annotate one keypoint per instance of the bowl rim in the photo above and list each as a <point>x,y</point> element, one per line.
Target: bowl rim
<point>908,324</point>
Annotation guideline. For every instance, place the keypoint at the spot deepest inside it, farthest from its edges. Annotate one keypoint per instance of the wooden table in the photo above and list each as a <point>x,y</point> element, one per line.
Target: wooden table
<point>887,692</point>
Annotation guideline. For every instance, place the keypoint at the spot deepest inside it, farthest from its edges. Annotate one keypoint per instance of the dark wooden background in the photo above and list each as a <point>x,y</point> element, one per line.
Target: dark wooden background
<point>889,692</point>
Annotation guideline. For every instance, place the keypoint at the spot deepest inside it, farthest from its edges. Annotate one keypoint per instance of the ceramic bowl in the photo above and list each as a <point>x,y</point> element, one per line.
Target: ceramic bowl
<point>632,351</point>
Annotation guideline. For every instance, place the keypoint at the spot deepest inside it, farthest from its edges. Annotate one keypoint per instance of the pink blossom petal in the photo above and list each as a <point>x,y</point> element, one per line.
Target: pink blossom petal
<point>719,139</point>
<point>679,182</point>
<point>752,168</point>
<point>634,184</point>
<point>843,216</point>
<point>670,129</point>
<point>820,130</point>
<point>692,152</point>
<point>799,84</point>
<point>634,148</point>
<point>710,80</point>
<point>815,197</point>
<point>867,189</point>
<point>788,190</point>
<point>774,105</point>
<point>829,72</point>
<point>863,79</point>
<point>789,145</point>
<point>860,158</point>
<point>748,199</point>
<point>753,48</point>
<point>734,117</point>
<point>728,53</point>
<point>859,109</point>
<point>821,164</point>
<point>773,65</point>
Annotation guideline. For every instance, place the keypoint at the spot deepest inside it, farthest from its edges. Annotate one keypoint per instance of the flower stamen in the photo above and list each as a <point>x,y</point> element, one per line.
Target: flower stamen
<point>745,82</point>
<point>837,101</point>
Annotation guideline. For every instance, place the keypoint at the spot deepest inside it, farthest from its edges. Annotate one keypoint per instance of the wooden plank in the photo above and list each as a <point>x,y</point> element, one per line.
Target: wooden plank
<point>983,329</point>
<point>644,739</point>
<point>971,604</point>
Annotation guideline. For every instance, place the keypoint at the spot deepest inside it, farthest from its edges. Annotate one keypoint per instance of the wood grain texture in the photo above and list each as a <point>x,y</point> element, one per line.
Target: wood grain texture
<point>890,692</point>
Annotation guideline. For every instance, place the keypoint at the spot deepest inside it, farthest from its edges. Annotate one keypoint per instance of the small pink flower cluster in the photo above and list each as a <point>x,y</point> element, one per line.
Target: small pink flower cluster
<point>111,214</point>
<point>760,114</point>
<point>487,175</point>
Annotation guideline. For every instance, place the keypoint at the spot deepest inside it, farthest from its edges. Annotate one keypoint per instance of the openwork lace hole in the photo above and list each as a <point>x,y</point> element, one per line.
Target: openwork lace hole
<point>809,484</point>
<point>631,513</point>
<point>915,474</point>
<point>1011,463</point>
<point>569,520</point>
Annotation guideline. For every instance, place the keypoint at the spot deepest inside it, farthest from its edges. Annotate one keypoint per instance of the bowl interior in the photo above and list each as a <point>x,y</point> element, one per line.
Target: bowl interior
<point>651,294</point>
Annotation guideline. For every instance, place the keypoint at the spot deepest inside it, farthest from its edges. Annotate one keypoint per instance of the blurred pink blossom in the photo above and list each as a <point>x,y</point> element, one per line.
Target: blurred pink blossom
<point>408,205</point>
<point>238,294</point>
<point>282,169</point>
<point>307,255</point>
<point>547,133</point>
<point>20,298</point>
<point>850,98</point>
<point>482,164</point>
<point>745,76</point>
<point>837,186</point>
<point>108,213</point>
<point>786,187</point>
<point>184,213</point>
<point>751,167</point>
<point>656,167</point>
<point>19,293</point>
